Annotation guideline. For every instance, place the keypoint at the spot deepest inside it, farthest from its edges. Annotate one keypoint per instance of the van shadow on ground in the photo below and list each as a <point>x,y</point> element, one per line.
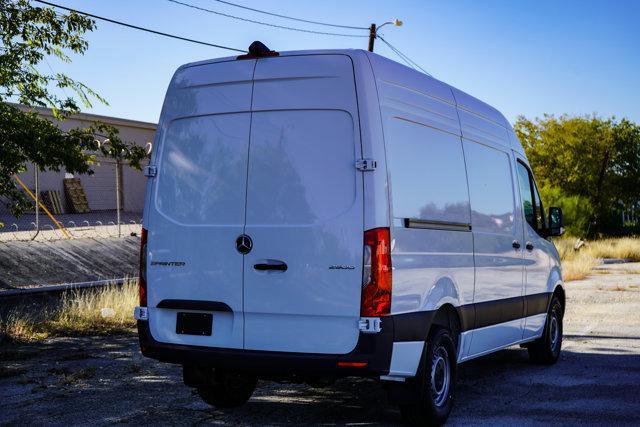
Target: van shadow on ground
<point>105,380</point>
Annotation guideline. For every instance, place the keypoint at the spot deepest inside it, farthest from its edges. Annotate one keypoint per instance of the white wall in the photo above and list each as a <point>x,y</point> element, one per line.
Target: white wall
<point>101,186</point>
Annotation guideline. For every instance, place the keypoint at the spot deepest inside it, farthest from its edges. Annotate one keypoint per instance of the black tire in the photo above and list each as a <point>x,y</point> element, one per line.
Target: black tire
<point>546,349</point>
<point>228,389</point>
<point>434,383</point>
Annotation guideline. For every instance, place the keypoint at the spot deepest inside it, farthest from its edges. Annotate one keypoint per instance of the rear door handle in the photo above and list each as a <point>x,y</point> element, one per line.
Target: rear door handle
<point>271,265</point>
<point>529,246</point>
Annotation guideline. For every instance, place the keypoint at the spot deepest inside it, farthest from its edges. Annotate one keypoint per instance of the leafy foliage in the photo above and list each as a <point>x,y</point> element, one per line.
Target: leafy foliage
<point>29,34</point>
<point>576,210</point>
<point>588,165</point>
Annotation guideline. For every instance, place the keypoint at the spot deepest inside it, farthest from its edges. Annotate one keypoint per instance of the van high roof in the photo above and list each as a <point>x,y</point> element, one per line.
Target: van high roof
<point>393,72</point>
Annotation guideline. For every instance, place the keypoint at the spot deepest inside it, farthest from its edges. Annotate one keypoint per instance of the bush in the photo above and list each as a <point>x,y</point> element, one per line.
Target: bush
<point>576,210</point>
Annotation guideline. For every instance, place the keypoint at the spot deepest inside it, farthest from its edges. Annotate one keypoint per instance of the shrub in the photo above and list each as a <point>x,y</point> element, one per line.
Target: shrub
<point>576,210</point>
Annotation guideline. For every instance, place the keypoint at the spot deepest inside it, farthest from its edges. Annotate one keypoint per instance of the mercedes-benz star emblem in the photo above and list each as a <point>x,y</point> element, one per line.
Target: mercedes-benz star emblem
<point>244,244</point>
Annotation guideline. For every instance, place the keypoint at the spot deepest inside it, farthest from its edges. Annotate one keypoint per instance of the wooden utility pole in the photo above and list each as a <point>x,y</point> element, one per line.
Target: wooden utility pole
<point>372,36</point>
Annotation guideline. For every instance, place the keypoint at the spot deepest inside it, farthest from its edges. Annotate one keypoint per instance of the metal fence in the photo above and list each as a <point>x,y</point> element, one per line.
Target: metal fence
<point>107,216</point>
<point>631,215</point>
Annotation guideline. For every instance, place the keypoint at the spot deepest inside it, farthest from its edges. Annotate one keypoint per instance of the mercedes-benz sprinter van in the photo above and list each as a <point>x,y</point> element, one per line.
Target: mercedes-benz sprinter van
<point>330,213</point>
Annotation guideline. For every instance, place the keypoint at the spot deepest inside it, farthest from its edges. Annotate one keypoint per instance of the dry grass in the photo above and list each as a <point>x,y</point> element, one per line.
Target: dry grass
<point>20,327</point>
<point>565,247</point>
<point>577,264</point>
<point>578,267</point>
<point>624,248</point>
<point>80,313</point>
<point>83,312</point>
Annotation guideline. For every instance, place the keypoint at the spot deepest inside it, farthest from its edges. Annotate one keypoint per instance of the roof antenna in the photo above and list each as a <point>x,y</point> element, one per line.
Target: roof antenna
<point>257,49</point>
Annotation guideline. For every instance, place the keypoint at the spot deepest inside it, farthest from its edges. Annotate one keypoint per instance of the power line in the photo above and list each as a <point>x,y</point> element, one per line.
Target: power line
<point>54,73</point>
<point>226,15</point>
<point>411,62</point>
<point>397,52</point>
<point>135,27</point>
<point>404,57</point>
<point>290,17</point>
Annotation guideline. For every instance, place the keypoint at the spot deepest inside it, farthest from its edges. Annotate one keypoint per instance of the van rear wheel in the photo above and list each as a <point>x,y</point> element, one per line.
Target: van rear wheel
<point>546,349</point>
<point>228,389</point>
<point>434,384</point>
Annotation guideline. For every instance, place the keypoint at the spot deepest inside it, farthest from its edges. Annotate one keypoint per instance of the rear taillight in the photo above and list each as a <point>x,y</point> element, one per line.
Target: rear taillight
<point>142,276</point>
<point>376,274</point>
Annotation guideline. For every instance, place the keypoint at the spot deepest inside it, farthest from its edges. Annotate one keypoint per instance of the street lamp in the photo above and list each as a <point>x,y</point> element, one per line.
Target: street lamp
<point>373,29</point>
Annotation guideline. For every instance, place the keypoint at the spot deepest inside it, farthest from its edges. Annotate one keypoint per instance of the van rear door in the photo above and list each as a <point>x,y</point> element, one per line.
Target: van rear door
<point>197,206</point>
<point>304,213</point>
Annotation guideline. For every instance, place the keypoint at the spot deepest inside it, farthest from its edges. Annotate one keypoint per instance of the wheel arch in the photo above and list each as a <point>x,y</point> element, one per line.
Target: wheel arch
<point>559,292</point>
<point>447,316</point>
<point>555,286</point>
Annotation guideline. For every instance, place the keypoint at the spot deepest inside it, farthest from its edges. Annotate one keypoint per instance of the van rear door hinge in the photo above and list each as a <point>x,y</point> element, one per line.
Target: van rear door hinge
<point>366,165</point>
<point>150,171</point>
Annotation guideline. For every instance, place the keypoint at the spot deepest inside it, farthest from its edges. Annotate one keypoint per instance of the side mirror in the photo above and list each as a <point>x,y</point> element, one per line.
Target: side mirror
<point>556,223</point>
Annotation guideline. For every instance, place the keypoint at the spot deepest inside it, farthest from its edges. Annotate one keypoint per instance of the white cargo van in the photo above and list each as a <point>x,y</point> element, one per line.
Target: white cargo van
<point>319,214</point>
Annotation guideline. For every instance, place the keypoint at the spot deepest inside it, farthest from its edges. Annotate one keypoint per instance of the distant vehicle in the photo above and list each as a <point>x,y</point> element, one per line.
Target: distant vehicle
<point>333,213</point>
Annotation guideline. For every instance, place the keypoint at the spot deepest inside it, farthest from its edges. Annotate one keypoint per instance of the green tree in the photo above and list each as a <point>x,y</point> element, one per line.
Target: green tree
<point>28,35</point>
<point>625,163</point>
<point>577,210</point>
<point>589,164</point>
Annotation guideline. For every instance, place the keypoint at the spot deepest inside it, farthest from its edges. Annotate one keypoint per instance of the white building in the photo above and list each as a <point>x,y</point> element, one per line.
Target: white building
<point>100,187</point>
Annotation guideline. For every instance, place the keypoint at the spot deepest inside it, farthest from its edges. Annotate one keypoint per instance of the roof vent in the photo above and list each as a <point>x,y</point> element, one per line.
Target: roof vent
<point>257,49</point>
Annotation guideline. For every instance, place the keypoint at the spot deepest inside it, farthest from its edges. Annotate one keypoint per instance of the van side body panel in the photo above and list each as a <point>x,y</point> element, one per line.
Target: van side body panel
<point>376,185</point>
<point>497,275</point>
<point>432,263</point>
<point>426,107</point>
<point>542,273</point>
<point>496,225</point>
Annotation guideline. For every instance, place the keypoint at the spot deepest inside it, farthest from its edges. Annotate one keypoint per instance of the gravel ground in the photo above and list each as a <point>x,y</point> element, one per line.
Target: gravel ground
<point>104,380</point>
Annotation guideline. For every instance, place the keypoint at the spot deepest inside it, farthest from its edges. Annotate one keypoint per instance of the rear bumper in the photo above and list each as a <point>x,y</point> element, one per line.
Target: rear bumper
<point>374,349</point>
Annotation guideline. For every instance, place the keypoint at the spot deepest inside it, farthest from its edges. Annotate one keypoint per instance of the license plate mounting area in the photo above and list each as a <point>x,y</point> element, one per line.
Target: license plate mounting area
<point>194,323</point>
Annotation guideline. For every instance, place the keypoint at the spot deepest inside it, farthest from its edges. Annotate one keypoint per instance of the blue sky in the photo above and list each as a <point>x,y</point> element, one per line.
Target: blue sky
<point>522,57</point>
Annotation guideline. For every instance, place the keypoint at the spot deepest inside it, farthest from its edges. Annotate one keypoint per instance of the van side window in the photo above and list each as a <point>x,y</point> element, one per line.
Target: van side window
<point>428,181</point>
<point>540,218</point>
<point>525,194</point>
<point>531,202</point>
<point>490,188</point>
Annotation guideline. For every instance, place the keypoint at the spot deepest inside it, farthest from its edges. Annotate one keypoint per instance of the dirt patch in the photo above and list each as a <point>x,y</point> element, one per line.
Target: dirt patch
<point>105,380</point>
